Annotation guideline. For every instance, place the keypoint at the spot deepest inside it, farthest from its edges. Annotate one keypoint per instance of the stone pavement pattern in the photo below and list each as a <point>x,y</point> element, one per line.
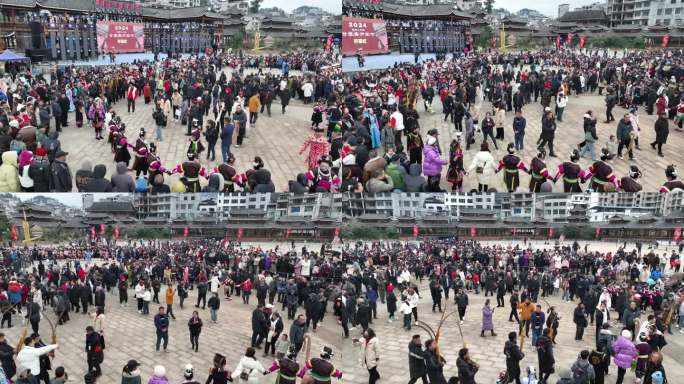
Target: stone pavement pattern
<point>277,139</point>
<point>130,335</point>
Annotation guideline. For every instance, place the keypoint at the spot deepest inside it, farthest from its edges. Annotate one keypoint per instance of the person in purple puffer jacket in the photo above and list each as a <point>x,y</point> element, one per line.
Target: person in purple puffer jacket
<point>624,353</point>
<point>432,164</point>
<point>159,376</point>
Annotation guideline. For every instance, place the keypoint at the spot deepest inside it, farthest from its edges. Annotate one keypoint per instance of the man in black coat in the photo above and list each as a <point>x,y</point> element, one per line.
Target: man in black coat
<point>513,357</point>
<point>7,357</point>
<point>64,103</point>
<point>417,360</point>
<point>662,130</point>
<point>85,294</point>
<point>260,326</point>
<point>94,351</point>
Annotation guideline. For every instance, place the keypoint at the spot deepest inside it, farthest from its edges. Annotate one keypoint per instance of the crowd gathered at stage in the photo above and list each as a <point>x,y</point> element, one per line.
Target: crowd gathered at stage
<point>629,300</point>
<point>215,100</point>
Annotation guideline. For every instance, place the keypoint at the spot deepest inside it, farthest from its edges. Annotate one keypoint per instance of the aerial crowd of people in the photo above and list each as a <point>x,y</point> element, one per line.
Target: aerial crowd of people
<point>365,126</point>
<point>632,297</point>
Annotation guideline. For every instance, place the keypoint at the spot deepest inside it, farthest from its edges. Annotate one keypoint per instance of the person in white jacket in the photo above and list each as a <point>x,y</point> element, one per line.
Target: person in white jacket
<point>484,166</point>
<point>139,289</point>
<point>29,356</point>
<point>248,367</point>
<point>371,354</point>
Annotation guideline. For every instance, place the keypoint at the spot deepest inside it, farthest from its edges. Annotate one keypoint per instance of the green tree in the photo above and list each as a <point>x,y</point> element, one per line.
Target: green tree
<point>6,228</point>
<point>484,40</point>
<point>489,4</point>
<point>254,6</point>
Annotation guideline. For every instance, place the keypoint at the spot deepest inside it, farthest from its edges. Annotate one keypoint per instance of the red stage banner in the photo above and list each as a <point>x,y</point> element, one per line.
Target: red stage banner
<point>92,232</point>
<point>116,232</point>
<point>366,36</point>
<point>558,41</point>
<point>582,41</point>
<point>473,231</point>
<point>120,37</point>
<point>416,230</point>
<point>14,232</point>
<point>677,234</point>
<point>185,232</point>
<point>666,41</point>
<point>102,229</point>
<point>240,232</point>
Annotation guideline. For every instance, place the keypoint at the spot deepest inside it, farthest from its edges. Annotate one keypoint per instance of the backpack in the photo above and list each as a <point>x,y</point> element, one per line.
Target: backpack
<point>580,375</point>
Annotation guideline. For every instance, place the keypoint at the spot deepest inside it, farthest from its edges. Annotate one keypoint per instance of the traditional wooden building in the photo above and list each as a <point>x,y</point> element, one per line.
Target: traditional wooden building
<point>586,17</point>
<point>66,29</point>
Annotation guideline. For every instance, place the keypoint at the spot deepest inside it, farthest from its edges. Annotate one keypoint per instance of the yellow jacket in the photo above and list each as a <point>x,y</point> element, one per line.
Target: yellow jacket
<point>254,103</point>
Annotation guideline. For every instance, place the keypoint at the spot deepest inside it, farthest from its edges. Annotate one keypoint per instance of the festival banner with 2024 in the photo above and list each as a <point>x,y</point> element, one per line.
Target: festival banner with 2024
<point>120,37</point>
<point>365,36</point>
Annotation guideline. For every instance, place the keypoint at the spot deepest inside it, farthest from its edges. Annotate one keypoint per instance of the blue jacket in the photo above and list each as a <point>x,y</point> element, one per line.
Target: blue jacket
<point>161,323</point>
<point>537,320</point>
<point>519,125</point>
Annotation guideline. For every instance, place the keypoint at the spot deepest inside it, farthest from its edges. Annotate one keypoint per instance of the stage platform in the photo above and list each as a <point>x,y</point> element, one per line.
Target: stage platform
<point>350,64</point>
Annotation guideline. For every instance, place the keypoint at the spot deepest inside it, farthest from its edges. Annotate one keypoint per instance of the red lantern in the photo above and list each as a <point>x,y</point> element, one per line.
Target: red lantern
<point>677,234</point>
<point>666,41</point>
<point>116,232</point>
<point>473,232</point>
<point>14,232</point>
<point>598,232</point>
<point>581,41</point>
<point>99,3</point>
<point>416,230</point>
<point>240,232</point>
<point>550,233</point>
<point>185,232</point>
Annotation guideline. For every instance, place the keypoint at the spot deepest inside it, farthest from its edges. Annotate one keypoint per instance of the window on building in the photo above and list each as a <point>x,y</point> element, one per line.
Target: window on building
<point>678,11</point>
<point>660,12</point>
<point>668,11</point>
<point>666,21</point>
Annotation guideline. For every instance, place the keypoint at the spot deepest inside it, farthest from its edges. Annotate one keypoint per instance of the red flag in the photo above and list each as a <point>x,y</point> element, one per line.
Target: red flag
<point>569,40</point>
<point>677,234</point>
<point>598,232</point>
<point>14,232</point>
<point>240,232</point>
<point>558,41</point>
<point>102,229</point>
<point>92,232</point>
<point>581,41</point>
<point>473,232</point>
<point>666,41</point>
<point>105,3</point>
<point>550,233</point>
<point>116,232</point>
<point>185,232</point>
<point>99,3</point>
<point>416,230</point>
<point>337,231</point>
<point>288,233</point>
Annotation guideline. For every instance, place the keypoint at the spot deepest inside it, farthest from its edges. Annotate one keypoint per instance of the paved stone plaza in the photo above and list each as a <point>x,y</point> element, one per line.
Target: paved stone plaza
<point>130,335</point>
<point>569,133</point>
<point>277,139</point>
